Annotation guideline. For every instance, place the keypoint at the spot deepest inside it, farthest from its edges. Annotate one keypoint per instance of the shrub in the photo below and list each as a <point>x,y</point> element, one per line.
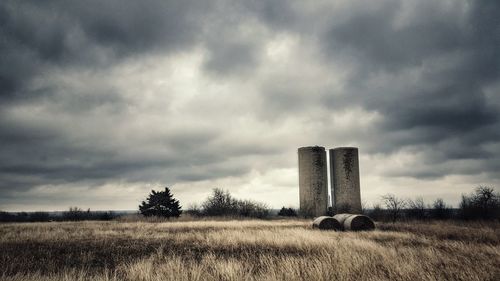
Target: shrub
<point>377,213</point>
<point>39,216</point>
<point>249,208</point>
<point>222,203</point>
<point>194,210</point>
<point>7,217</point>
<point>105,216</point>
<point>74,214</point>
<point>287,212</point>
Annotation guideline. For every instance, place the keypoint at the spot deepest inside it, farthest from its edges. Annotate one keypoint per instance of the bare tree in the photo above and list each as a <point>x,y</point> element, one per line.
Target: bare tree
<point>394,206</point>
<point>220,203</point>
<point>484,203</point>
<point>440,210</point>
<point>416,208</point>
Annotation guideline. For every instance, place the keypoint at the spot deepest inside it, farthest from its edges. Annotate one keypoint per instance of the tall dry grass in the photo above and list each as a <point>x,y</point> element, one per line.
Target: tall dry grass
<point>247,250</point>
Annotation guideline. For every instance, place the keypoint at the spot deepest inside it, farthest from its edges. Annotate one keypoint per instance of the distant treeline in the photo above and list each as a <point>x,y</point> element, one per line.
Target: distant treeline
<point>73,214</point>
<point>482,204</point>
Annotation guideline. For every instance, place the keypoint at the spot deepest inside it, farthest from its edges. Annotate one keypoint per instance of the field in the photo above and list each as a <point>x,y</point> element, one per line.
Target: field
<point>247,250</point>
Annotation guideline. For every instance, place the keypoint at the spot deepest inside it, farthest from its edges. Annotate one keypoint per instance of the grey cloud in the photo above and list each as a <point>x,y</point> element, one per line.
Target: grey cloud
<point>232,58</point>
<point>47,153</point>
<point>372,36</point>
<point>423,69</point>
<point>91,34</point>
<point>455,58</point>
<point>55,30</point>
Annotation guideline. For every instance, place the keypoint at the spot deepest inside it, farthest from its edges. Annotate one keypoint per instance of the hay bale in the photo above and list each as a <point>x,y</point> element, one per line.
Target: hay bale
<point>358,222</point>
<point>326,223</point>
<point>355,222</point>
<point>341,219</point>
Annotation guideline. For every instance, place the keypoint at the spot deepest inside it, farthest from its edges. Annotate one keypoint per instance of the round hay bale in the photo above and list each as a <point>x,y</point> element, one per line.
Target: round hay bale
<point>358,222</point>
<point>326,223</point>
<point>341,219</point>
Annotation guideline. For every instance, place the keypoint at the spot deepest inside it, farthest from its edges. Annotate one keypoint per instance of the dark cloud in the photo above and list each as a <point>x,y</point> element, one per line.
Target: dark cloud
<point>373,36</point>
<point>93,34</point>
<point>97,92</point>
<point>426,76</point>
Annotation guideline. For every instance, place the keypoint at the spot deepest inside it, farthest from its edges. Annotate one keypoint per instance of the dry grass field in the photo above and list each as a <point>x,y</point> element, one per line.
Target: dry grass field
<point>247,250</point>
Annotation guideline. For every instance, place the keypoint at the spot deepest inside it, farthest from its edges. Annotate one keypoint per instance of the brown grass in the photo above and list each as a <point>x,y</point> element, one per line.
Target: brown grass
<point>247,250</point>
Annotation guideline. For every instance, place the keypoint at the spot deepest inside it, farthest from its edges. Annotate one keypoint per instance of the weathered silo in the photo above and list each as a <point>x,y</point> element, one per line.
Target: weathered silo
<point>313,181</point>
<point>344,179</point>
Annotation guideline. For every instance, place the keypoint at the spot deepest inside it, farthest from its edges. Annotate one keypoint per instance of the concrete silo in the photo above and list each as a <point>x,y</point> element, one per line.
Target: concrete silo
<point>313,181</point>
<point>344,179</point>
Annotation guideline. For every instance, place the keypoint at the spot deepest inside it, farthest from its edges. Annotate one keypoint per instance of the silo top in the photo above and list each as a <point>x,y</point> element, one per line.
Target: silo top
<point>312,148</point>
<point>345,148</point>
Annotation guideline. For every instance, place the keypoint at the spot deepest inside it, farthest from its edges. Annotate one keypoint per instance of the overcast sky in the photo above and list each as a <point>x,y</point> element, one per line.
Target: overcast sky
<point>102,101</point>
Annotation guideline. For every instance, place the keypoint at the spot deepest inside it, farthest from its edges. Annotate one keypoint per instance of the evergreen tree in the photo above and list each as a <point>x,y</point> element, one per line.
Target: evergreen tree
<point>161,204</point>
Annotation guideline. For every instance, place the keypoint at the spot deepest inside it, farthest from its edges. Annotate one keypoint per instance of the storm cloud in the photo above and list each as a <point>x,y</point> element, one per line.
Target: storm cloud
<point>100,101</point>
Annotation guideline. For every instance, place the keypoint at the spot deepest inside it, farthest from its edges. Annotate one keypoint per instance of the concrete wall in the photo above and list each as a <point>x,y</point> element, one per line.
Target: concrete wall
<point>313,181</point>
<point>344,178</point>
